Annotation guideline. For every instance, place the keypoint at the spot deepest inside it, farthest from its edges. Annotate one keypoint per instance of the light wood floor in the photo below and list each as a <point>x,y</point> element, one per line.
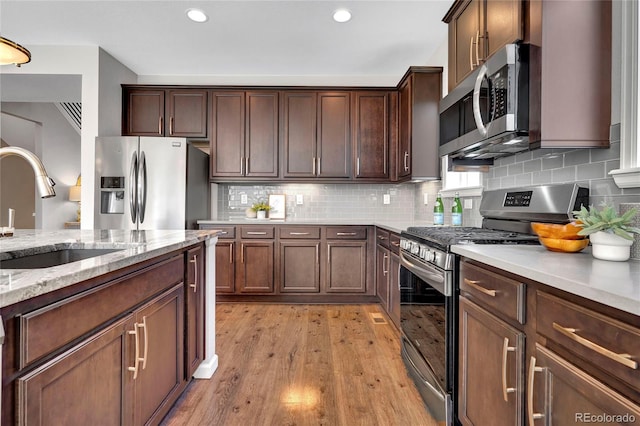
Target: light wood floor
<point>303,365</point>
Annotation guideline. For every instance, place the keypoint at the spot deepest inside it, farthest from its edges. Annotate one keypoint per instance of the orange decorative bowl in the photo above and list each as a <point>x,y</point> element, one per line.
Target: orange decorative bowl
<point>564,245</point>
<point>552,230</point>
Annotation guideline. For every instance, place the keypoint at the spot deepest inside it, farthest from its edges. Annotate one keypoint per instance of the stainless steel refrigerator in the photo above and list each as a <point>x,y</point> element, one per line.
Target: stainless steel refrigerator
<point>150,183</point>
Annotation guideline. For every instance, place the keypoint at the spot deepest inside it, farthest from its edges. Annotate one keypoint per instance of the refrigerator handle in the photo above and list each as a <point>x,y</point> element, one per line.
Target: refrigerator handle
<point>133,184</point>
<point>142,186</point>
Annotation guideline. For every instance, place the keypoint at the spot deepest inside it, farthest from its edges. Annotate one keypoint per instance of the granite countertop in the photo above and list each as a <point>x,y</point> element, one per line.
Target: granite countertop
<point>390,225</point>
<point>133,247</point>
<point>616,284</point>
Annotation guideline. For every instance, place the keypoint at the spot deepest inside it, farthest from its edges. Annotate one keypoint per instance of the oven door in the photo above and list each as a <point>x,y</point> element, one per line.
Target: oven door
<point>426,322</point>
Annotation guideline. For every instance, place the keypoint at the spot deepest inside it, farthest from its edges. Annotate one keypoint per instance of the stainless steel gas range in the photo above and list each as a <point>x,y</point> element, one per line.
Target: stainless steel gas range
<point>429,280</point>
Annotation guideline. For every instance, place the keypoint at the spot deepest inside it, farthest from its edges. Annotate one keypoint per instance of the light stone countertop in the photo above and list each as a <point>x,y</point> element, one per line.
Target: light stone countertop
<point>133,247</point>
<point>615,284</point>
<point>390,225</point>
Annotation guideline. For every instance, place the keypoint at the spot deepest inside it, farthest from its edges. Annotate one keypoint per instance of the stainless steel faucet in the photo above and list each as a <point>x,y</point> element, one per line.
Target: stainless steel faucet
<point>43,181</point>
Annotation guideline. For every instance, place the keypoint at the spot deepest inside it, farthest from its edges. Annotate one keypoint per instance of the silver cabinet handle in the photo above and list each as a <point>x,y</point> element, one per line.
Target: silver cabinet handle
<point>385,269</point>
<point>358,166</point>
<point>231,257</point>
<point>406,161</point>
<point>256,233</point>
<point>160,125</point>
<point>505,351</point>
<point>532,371</point>
<point>471,53</point>
<point>477,44</point>
<point>194,286</point>
<point>313,166</point>
<point>319,168</point>
<point>298,233</point>
<point>475,285</point>
<point>346,234</point>
<point>146,342</point>
<point>246,165</point>
<point>241,166</point>
<point>393,243</point>
<point>134,332</point>
<point>171,126</point>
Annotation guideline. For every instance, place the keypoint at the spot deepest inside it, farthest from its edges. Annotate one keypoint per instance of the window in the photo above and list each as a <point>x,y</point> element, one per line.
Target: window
<point>628,52</point>
<point>468,184</point>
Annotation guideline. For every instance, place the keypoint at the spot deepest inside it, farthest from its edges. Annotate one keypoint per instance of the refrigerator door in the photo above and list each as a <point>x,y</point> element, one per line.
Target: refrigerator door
<point>162,180</point>
<point>116,182</point>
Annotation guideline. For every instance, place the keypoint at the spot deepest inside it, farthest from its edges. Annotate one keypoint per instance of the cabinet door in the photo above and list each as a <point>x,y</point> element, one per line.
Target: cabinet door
<point>161,348</point>
<point>255,270</point>
<point>300,266</point>
<point>464,30</point>
<point>227,134</point>
<point>194,295</point>
<point>346,267</point>
<point>382,276</point>
<point>187,111</point>
<point>334,137</point>
<point>87,385</point>
<point>225,267</point>
<point>261,139</point>
<point>503,20</point>
<point>394,289</point>
<point>405,123</point>
<point>562,394</point>
<point>371,135</point>
<point>299,115</point>
<point>144,113</point>
<point>490,367</point>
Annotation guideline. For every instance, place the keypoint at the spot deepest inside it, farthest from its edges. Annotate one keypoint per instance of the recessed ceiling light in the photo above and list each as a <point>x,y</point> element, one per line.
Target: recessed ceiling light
<point>196,15</point>
<point>341,15</point>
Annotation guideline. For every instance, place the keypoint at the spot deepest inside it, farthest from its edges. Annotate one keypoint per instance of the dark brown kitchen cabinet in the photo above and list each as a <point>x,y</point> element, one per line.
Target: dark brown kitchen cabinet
<point>491,356</point>
<point>160,112</point>
<point>300,266</point>
<point>420,91</point>
<point>255,267</point>
<point>100,364</point>
<point>371,135</point>
<point>244,140</point>
<point>194,297</point>
<point>347,259</point>
<point>382,275</point>
<point>477,29</point>
<point>225,266</point>
<point>316,139</point>
<point>393,307</point>
<point>559,393</point>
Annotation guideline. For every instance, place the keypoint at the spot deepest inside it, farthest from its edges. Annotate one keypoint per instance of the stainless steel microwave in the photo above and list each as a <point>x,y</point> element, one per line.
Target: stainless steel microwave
<point>487,114</point>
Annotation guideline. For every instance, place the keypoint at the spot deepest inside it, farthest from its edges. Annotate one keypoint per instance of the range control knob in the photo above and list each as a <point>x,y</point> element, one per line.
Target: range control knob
<point>415,248</point>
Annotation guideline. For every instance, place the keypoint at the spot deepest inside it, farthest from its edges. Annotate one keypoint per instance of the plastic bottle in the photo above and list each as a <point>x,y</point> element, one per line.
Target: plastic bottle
<point>456,211</point>
<point>438,211</point>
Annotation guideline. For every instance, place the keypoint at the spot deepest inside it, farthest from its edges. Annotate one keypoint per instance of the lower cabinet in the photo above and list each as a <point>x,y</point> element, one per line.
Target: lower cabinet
<point>393,307</point>
<point>346,267</point>
<point>387,273</point>
<point>195,301</point>
<point>382,276</point>
<point>130,373</point>
<point>255,269</point>
<point>225,266</point>
<point>491,365</point>
<point>299,266</point>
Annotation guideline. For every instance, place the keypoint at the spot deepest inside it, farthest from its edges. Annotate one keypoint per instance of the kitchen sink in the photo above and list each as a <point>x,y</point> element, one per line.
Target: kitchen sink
<point>52,258</point>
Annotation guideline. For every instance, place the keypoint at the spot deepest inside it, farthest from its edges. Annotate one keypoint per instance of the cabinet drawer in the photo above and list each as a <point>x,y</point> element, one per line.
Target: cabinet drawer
<point>346,232</point>
<point>257,232</point>
<point>300,232</point>
<point>382,237</point>
<point>501,294</point>
<point>226,232</point>
<point>394,243</point>
<point>83,313</point>
<point>611,345</point>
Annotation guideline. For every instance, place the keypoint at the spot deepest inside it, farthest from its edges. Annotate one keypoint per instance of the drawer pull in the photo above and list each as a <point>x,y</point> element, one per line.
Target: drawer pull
<point>256,233</point>
<point>298,233</point>
<point>505,351</point>
<point>231,257</point>
<point>220,231</point>
<point>134,332</point>
<point>380,237</point>
<point>624,359</point>
<point>393,243</point>
<point>532,371</point>
<point>346,234</point>
<point>194,286</point>
<point>475,285</point>
<point>146,342</point>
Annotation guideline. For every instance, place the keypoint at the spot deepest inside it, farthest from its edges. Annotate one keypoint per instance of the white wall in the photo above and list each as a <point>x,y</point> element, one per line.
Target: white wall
<point>112,75</point>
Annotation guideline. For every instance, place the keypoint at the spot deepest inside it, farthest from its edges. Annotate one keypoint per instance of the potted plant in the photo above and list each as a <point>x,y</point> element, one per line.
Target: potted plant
<point>611,235</point>
<point>261,208</point>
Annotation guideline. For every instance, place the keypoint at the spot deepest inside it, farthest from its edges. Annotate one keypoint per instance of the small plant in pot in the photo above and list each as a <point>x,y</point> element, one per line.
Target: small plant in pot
<point>261,208</point>
<point>611,235</point>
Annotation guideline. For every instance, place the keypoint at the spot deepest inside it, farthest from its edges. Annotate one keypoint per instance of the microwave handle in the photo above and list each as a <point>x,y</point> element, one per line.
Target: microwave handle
<point>476,101</point>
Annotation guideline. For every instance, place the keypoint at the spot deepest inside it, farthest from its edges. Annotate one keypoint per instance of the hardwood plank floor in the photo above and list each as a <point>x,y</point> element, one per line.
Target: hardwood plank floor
<point>303,365</point>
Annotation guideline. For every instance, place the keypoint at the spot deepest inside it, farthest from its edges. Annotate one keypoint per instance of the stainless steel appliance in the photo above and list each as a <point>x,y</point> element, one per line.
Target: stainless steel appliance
<point>487,114</point>
<point>150,183</point>
<point>429,286</point>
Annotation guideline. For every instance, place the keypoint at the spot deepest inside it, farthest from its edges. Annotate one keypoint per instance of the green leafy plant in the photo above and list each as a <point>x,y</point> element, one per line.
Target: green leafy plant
<point>260,206</point>
<point>606,219</point>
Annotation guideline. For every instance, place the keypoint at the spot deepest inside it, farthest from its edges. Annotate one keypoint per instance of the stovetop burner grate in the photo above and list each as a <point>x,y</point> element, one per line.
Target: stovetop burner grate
<point>445,236</point>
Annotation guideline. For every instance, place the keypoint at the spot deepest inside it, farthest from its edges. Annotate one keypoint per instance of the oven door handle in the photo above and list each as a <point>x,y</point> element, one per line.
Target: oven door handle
<point>436,278</point>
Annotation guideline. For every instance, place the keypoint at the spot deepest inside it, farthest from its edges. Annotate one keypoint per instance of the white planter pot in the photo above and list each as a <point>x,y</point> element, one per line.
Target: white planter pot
<point>262,214</point>
<point>608,246</point>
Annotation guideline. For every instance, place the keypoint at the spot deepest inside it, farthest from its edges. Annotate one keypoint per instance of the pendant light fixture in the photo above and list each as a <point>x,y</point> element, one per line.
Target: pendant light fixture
<point>13,53</point>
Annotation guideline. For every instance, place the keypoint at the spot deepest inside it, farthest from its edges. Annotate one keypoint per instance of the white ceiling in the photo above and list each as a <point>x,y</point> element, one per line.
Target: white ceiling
<point>241,38</point>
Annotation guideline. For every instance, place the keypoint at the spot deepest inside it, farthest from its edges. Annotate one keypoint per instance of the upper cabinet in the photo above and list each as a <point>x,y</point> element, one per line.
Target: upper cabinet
<point>477,29</point>
<point>420,91</point>
<point>244,137</point>
<point>164,112</point>
<point>371,135</point>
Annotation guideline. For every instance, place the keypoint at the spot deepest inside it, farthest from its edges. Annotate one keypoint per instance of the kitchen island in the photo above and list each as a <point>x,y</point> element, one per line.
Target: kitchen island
<point>128,323</point>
